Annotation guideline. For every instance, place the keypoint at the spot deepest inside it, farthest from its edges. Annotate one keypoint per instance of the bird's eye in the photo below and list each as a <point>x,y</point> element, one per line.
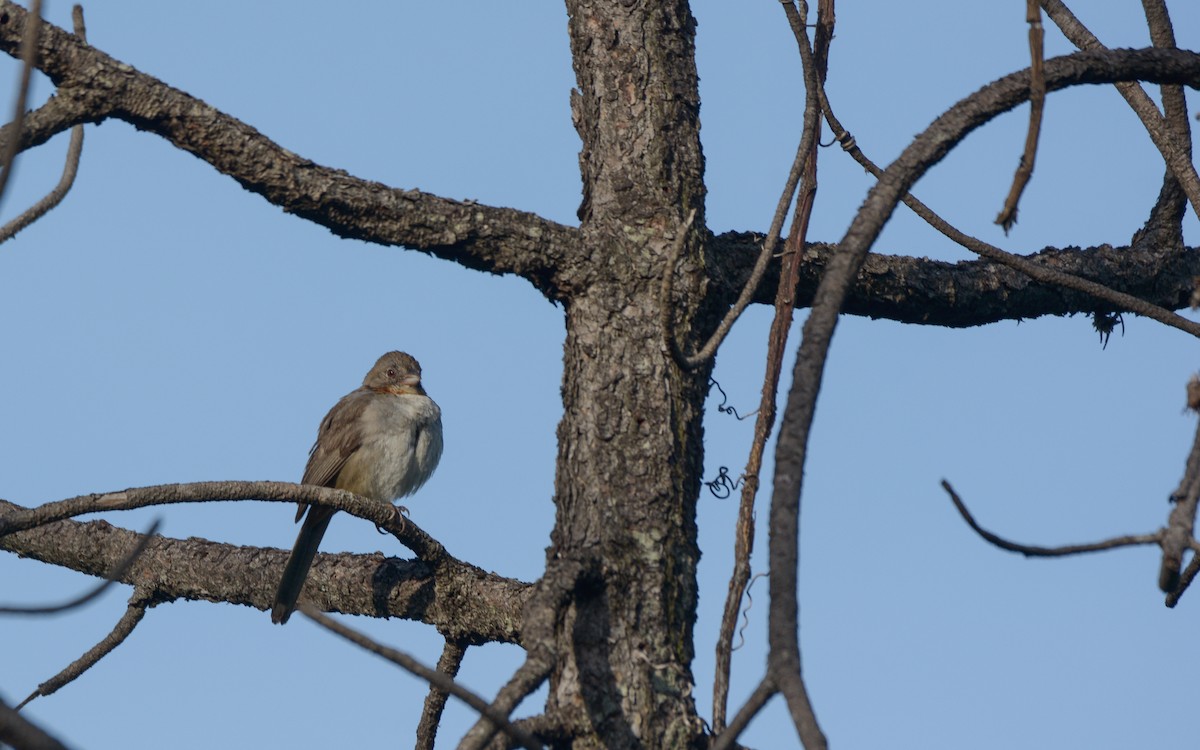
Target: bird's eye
<point>391,373</point>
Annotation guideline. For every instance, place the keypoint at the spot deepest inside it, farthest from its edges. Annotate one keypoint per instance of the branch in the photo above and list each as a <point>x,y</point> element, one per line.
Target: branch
<point>432,676</point>
<point>1165,223</point>
<point>117,574</point>
<point>1037,103</point>
<point>26,43</point>
<point>435,701</point>
<point>971,293</point>
<point>815,66</point>
<point>21,734</point>
<point>498,240</point>
<point>755,703</point>
<point>1130,540</point>
<point>459,599</point>
<point>552,594</point>
<point>783,627</point>
<point>926,150</point>
<point>383,515</point>
<point>134,613</point>
<point>70,168</point>
<point>974,293</point>
<point>1051,277</point>
<point>1181,523</point>
<point>1178,161</point>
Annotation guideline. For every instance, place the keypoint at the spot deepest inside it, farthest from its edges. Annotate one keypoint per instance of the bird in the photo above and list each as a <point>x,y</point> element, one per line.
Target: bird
<point>382,440</point>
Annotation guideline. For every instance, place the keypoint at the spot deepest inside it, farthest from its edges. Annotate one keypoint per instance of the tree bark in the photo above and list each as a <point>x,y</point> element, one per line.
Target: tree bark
<point>630,449</point>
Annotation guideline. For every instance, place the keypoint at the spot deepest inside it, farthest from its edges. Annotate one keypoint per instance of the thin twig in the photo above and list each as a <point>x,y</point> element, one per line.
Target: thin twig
<point>1037,101</point>
<point>70,168</point>
<point>115,575</point>
<point>1129,540</point>
<point>785,305</point>
<point>432,676</point>
<point>528,677</point>
<point>1189,575</point>
<point>435,702</point>
<point>709,348</point>
<point>783,626</point>
<point>755,703</point>
<point>541,618</point>
<point>382,515</point>
<point>1176,158</point>
<point>1181,523</point>
<point>134,613</point>
<point>33,27</point>
<point>1164,225</point>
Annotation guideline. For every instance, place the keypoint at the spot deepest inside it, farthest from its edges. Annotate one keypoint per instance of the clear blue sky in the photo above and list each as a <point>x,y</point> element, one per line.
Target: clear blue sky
<point>163,325</point>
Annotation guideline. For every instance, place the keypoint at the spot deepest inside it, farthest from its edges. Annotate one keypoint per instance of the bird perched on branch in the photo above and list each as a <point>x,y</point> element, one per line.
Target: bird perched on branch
<point>381,441</point>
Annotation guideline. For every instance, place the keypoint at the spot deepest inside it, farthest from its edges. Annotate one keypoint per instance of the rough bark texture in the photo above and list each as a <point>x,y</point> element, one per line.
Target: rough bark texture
<point>630,447</point>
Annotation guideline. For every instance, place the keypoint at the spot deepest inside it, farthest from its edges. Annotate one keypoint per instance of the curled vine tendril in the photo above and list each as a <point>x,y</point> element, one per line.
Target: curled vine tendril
<point>724,408</point>
<point>723,486</point>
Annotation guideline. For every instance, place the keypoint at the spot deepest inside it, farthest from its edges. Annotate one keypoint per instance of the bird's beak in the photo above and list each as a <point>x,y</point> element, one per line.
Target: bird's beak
<point>412,380</point>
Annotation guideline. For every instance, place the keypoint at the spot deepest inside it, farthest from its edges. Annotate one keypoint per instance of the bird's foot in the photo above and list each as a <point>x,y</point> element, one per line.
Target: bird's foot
<point>401,513</point>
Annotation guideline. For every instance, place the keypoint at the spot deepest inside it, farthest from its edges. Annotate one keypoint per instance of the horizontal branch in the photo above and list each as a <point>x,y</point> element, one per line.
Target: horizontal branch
<point>972,292</point>
<point>1030,550</point>
<point>459,599</point>
<point>93,87</point>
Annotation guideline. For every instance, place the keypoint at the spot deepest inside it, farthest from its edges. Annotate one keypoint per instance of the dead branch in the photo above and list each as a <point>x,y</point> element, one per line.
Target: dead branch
<point>1037,102</point>
<point>117,574</point>
<point>435,702</point>
<point>432,676</point>
<point>1129,540</point>
<point>141,599</point>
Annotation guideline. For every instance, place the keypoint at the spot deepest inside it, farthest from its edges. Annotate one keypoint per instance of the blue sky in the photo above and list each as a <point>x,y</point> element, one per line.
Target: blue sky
<point>163,325</point>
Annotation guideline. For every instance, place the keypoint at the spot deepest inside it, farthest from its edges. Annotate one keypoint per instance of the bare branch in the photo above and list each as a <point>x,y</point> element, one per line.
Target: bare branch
<point>751,285</point>
<point>783,631</point>
<point>1189,575</point>
<point>466,603</point>
<point>755,703</point>
<point>381,514</point>
<point>435,701</point>
<point>26,40</point>
<point>116,575</point>
<point>19,733</point>
<point>927,149</point>
<point>499,240</point>
<point>134,613</point>
<point>439,679</point>
<point>552,595</point>
<point>1181,523</point>
<point>1129,540</point>
<point>814,63</point>
<point>1034,270</point>
<point>1037,102</point>
<point>1176,157</point>
<point>1165,223</point>
<point>70,168</point>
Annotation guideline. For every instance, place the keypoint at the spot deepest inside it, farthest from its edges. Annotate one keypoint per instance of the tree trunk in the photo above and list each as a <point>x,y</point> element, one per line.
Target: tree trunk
<point>630,450</point>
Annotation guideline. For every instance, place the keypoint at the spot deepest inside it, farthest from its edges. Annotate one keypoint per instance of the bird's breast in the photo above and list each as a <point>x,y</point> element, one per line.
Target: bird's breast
<point>401,446</point>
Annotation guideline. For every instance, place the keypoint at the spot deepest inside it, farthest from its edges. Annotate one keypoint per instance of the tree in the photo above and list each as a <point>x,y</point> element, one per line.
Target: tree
<point>610,621</point>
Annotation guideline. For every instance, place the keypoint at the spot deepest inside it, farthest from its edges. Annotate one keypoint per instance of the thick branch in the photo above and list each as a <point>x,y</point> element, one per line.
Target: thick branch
<point>95,87</point>
<point>461,600</point>
<point>974,292</point>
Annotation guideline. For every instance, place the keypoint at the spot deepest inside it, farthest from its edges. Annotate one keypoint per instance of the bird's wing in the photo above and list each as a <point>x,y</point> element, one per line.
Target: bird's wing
<point>339,436</point>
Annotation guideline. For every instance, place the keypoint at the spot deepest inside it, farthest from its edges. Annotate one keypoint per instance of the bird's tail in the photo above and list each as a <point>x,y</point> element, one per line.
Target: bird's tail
<point>303,553</point>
